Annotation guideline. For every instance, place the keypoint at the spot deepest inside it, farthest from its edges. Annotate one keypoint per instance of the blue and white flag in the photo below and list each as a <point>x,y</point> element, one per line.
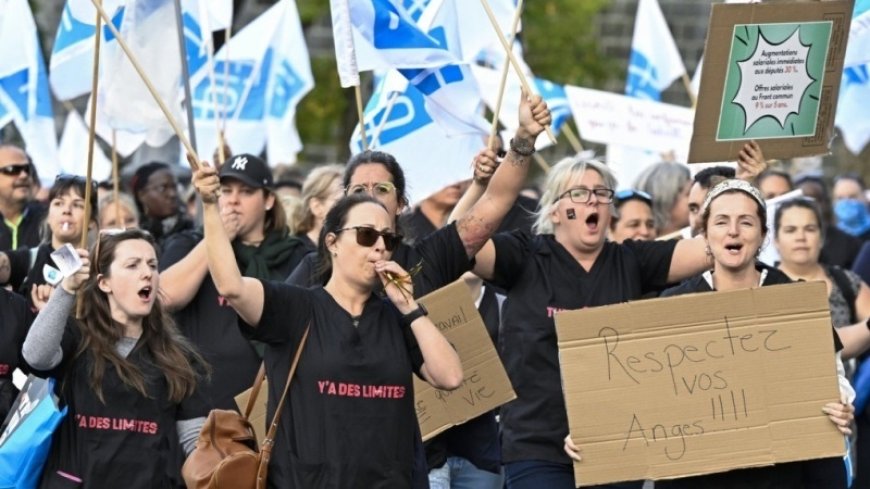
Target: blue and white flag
<point>269,73</point>
<point>72,56</point>
<point>858,49</point>
<point>397,122</point>
<point>24,95</point>
<point>385,37</point>
<point>852,117</point>
<point>655,61</point>
<point>451,92</point>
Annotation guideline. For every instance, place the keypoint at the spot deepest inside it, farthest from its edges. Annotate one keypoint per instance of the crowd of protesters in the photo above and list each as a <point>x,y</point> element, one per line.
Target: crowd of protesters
<point>178,317</point>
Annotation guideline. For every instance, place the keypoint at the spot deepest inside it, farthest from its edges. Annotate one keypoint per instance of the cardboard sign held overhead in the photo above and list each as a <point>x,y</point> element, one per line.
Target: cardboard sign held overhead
<point>771,73</point>
<point>701,383</point>
<point>486,385</point>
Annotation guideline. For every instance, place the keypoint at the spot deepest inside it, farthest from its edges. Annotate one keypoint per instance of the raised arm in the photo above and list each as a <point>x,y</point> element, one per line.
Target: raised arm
<point>42,346</point>
<point>750,162</point>
<point>244,294</point>
<point>485,164</point>
<point>480,222</point>
<point>180,282</point>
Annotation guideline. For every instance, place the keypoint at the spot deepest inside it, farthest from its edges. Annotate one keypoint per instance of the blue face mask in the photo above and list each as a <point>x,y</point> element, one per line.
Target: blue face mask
<point>853,216</point>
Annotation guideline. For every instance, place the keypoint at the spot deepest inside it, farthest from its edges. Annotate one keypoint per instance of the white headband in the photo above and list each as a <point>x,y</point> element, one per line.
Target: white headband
<point>733,184</point>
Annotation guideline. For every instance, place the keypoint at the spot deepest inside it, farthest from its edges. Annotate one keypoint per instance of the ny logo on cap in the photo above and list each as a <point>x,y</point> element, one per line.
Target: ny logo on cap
<point>240,163</point>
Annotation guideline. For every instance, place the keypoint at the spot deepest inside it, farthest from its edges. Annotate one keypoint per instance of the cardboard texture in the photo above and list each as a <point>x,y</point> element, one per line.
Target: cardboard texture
<point>771,73</point>
<point>486,385</point>
<point>258,414</point>
<point>701,383</point>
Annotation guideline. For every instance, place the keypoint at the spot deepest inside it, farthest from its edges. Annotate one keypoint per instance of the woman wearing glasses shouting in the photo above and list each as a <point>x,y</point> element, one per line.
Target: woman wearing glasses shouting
<point>350,417</point>
<point>568,264</point>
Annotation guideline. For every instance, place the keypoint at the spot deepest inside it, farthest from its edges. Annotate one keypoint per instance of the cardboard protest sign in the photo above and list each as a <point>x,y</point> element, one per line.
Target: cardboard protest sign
<point>700,383</point>
<point>486,385</point>
<point>610,118</point>
<point>771,72</point>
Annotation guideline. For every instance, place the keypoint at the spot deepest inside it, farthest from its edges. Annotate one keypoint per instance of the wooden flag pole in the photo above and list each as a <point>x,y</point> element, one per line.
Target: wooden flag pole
<point>504,73</point>
<point>571,137</point>
<point>194,162</point>
<point>688,84</point>
<point>541,162</point>
<point>512,58</point>
<point>92,130</point>
<point>362,122</point>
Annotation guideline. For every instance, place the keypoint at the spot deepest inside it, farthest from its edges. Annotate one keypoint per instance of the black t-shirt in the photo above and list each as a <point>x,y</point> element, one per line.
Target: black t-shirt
<point>441,254</point>
<point>349,418</point>
<point>213,326</point>
<point>125,442</point>
<point>15,319</point>
<point>779,476</point>
<point>541,277</point>
<point>839,248</point>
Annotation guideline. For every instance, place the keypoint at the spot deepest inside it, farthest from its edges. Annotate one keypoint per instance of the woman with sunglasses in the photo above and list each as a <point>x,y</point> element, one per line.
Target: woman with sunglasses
<point>350,419</point>
<point>33,273</point>
<point>262,248</point>
<point>567,264</point>
<point>733,223</point>
<point>124,371</point>
<point>632,216</point>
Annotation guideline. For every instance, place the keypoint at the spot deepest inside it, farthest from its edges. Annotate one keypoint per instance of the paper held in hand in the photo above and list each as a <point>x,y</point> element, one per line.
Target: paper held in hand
<point>701,383</point>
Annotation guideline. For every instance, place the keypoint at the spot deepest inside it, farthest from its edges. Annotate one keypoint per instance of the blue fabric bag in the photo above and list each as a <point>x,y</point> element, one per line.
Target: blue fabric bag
<point>26,436</point>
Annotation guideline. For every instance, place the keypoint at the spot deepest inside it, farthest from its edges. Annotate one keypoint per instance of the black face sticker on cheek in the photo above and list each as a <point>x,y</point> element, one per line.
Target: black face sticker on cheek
<point>570,213</point>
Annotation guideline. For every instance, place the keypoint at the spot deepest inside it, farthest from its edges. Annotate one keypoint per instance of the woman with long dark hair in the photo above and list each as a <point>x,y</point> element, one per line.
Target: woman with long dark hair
<point>127,375</point>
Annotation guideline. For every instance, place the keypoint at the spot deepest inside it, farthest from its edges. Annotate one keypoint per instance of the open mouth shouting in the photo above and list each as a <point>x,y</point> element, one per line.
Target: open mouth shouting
<point>733,248</point>
<point>592,221</point>
<point>145,293</point>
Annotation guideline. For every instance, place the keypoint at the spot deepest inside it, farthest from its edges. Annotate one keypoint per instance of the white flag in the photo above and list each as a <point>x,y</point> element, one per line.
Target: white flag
<point>73,150</point>
<point>655,61</point>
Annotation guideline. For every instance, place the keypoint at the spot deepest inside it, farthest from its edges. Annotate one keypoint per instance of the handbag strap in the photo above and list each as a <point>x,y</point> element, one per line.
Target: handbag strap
<point>270,435</point>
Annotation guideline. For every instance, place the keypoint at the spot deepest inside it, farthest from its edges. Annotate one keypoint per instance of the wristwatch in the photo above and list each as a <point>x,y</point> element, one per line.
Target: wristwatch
<point>415,314</point>
<point>522,147</point>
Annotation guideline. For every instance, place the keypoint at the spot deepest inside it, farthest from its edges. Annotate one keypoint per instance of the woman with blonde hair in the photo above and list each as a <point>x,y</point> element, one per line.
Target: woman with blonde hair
<point>320,192</point>
<point>118,212</point>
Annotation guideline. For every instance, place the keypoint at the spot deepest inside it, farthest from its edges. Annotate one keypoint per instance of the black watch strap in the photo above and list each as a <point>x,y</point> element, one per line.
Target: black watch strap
<point>415,314</point>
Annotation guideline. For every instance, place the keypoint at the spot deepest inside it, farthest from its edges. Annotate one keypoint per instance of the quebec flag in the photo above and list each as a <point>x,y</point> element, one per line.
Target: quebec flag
<point>397,123</point>
<point>269,73</point>
<point>24,93</point>
<point>655,61</point>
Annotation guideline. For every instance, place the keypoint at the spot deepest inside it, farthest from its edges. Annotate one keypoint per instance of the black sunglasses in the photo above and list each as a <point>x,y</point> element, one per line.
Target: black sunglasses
<point>64,178</point>
<point>366,236</point>
<point>17,169</point>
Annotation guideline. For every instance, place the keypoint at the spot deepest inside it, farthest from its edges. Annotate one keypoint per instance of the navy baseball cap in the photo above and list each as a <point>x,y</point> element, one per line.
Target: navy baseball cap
<point>249,169</point>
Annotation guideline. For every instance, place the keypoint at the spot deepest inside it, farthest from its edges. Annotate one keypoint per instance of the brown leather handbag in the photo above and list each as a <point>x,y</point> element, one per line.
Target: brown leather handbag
<point>226,454</point>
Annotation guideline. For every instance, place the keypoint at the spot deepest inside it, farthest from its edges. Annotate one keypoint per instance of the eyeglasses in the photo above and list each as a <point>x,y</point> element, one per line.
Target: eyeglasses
<point>75,179</point>
<point>374,189</point>
<point>366,236</point>
<point>628,194</point>
<point>582,195</point>
<point>17,169</point>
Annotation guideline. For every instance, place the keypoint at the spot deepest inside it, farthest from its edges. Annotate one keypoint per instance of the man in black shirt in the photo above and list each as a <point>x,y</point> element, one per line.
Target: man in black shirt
<point>21,215</point>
